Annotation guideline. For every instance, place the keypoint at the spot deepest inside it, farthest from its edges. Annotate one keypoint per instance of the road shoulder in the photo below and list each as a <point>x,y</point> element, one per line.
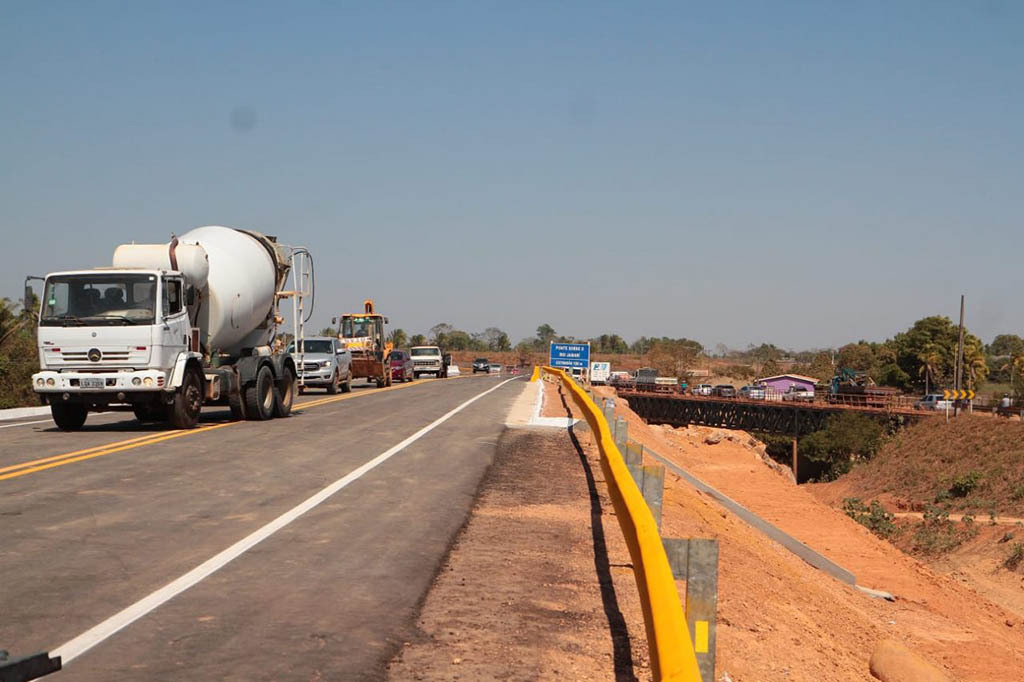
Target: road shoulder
<point>538,584</point>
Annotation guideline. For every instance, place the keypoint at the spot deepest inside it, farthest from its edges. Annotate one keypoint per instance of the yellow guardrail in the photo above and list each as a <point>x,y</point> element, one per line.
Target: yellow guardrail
<point>668,638</point>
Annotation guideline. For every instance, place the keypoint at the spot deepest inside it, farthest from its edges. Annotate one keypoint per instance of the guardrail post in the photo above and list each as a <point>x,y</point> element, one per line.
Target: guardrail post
<point>621,432</point>
<point>653,488</point>
<point>702,601</point>
<point>609,410</point>
<point>678,552</point>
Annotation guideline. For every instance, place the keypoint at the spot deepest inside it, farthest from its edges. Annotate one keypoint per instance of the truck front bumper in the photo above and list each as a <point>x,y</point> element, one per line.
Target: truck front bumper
<point>128,381</point>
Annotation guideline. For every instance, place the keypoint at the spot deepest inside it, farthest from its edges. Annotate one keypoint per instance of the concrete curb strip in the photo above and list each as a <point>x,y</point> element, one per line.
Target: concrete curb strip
<point>812,557</point>
<point>22,412</point>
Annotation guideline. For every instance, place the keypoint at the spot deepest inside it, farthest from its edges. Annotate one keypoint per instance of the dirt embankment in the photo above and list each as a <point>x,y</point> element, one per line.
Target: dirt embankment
<point>969,465</point>
<point>780,619</point>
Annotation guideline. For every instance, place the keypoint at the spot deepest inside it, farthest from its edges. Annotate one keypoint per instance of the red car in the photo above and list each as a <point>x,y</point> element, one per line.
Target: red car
<point>401,366</point>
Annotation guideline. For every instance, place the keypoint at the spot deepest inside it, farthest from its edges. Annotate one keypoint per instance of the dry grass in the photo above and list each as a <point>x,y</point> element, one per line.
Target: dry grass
<point>969,464</point>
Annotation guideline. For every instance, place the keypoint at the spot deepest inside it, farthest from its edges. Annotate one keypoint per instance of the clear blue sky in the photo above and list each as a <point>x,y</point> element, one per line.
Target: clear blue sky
<point>798,173</point>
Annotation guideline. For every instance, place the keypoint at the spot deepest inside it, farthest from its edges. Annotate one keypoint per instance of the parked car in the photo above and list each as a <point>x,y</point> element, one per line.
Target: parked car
<point>703,389</point>
<point>934,401</point>
<point>751,392</point>
<point>800,394</point>
<point>494,368</point>
<point>325,364</point>
<point>481,365</point>
<point>402,368</point>
<point>512,369</point>
<point>724,391</point>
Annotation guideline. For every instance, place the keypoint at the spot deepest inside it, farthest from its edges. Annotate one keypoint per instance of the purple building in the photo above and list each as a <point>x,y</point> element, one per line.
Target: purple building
<point>777,385</point>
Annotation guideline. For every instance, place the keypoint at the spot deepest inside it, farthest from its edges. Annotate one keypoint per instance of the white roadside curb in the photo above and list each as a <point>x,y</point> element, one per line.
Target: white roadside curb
<point>22,412</point>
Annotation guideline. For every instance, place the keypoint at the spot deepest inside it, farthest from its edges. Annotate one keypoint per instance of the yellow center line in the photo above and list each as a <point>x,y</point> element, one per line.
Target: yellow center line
<point>36,465</point>
<point>22,465</point>
<point>109,451</point>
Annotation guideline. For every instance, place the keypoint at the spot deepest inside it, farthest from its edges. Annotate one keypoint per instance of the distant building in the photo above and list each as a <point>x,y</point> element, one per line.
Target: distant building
<point>780,383</point>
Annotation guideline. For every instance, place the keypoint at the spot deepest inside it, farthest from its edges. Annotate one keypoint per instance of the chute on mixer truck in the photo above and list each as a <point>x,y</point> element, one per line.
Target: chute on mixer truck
<point>172,327</point>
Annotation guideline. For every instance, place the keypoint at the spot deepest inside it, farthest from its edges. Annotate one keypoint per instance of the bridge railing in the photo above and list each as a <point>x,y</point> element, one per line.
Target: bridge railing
<point>668,637</point>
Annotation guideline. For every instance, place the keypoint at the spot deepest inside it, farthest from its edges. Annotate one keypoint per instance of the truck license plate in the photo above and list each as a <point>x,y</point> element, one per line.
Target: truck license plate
<point>89,382</point>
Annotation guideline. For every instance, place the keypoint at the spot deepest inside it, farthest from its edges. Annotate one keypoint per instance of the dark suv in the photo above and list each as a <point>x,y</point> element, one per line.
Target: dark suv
<point>481,365</point>
<point>724,391</point>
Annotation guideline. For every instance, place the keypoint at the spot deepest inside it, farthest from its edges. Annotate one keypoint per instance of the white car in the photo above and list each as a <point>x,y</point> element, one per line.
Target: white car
<point>703,389</point>
<point>751,392</point>
<point>934,401</point>
<point>494,368</point>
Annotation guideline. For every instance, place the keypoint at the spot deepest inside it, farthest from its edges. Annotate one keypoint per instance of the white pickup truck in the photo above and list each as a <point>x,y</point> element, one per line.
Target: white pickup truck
<point>428,360</point>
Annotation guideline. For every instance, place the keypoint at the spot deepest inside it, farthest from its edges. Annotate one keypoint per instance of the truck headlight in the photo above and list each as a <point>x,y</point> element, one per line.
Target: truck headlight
<point>136,381</point>
<point>325,363</point>
<point>51,382</point>
<point>148,381</point>
<point>40,382</point>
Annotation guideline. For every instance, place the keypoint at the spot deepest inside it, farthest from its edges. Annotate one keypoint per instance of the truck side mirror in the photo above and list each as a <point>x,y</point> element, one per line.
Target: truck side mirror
<point>334,320</point>
<point>190,295</point>
<point>30,298</point>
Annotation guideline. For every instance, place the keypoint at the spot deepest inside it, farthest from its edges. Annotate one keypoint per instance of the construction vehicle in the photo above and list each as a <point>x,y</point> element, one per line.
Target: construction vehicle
<point>172,327</point>
<point>363,335</point>
<point>858,389</point>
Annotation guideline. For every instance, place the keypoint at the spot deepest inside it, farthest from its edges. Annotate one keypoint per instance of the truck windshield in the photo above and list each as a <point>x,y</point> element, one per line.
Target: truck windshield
<point>426,351</point>
<point>317,346</point>
<point>99,299</point>
<point>355,327</point>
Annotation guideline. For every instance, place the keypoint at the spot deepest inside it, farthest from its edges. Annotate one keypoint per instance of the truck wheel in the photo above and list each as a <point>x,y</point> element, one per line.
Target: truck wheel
<point>346,386</point>
<point>332,387</point>
<point>147,413</point>
<point>416,376</point>
<point>259,396</point>
<point>237,404</point>
<point>68,417</point>
<point>183,412</point>
<point>284,394</point>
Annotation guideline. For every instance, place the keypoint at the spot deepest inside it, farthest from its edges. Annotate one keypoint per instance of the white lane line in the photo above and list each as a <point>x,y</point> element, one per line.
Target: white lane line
<point>74,648</point>
<point>11,426</point>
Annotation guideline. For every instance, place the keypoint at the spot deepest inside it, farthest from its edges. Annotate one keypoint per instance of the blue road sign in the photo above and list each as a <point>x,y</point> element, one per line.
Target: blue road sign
<point>570,355</point>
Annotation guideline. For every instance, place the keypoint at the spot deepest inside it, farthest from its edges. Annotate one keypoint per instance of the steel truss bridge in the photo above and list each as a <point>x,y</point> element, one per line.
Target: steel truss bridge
<point>790,418</point>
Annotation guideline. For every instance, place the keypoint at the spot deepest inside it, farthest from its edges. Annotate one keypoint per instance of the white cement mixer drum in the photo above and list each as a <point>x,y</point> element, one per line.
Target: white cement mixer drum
<point>240,289</point>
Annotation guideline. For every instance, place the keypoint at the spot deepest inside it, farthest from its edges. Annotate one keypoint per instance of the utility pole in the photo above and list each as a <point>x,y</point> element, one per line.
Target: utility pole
<point>959,356</point>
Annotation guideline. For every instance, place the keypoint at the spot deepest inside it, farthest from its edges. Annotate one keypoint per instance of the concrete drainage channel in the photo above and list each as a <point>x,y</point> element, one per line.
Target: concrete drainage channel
<point>651,483</point>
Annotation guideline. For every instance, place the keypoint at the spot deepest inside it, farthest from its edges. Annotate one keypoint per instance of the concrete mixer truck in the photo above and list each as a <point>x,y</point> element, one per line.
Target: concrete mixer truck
<point>169,328</point>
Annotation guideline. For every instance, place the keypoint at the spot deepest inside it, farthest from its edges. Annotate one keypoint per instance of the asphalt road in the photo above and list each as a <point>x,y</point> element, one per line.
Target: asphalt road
<point>149,526</point>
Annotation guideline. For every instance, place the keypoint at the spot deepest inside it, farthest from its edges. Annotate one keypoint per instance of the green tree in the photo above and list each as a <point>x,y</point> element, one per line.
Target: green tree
<point>1006,345</point>
<point>327,331</point>
<point>398,338</point>
<point>545,334</point>
<point>439,334</point>
<point>457,340</point>
<point>858,356</point>
<point>937,334</point>
<point>846,437</point>
<point>417,340</point>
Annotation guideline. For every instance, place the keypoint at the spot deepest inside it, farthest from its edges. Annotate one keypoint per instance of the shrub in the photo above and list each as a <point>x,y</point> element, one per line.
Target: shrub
<point>1015,557</point>
<point>875,517</point>
<point>965,484</point>
<point>936,534</point>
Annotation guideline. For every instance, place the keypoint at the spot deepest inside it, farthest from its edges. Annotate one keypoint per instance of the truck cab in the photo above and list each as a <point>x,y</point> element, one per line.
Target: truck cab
<point>108,337</point>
